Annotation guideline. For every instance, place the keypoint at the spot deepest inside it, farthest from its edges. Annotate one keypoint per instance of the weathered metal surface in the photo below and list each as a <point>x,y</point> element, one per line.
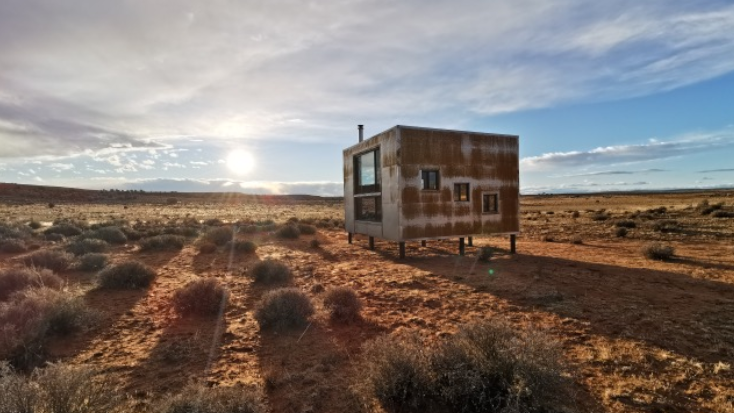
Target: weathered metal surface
<point>487,162</point>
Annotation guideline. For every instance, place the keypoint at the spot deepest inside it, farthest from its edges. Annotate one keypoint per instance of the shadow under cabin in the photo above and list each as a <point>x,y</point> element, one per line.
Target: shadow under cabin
<point>415,184</point>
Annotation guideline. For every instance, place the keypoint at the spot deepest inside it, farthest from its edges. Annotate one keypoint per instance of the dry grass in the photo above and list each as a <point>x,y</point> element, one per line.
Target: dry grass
<point>126,275</point>
<point>205,297</point>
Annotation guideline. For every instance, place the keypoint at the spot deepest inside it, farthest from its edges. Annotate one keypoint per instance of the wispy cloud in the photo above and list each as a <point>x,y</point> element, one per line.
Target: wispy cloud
<point>602,173</point>
<point>114,75</point>
<point>718,170</point>
<point>621,154</point>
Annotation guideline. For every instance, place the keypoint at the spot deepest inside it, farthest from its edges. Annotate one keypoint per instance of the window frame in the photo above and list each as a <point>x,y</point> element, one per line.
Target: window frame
<point>486,196</point>
<point>425,180</point>
<point>358,209</point>
<point>458,191</point>
<point>359,188</point>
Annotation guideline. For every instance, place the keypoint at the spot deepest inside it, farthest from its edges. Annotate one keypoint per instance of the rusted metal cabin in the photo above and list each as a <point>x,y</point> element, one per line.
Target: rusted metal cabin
<point>410,183</point>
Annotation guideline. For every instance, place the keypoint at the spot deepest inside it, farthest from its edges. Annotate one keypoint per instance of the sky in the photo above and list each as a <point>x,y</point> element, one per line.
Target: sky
<point>262,97</point>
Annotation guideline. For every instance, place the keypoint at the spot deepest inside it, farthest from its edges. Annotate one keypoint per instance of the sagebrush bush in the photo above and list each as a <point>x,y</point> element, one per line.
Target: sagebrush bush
<point>14,231</point>
<point>283,308</point>
<point>33,224</point>
<point>164,242</point>
<point>112,235</point>
<point>202,399</point>
<point>12,246</point>
<point>92,261</point>
<point>241,246</point>
<point>126,275</point>
<point>185,231</point>
<point>621,232</point>
<point>207,247</point>
<point>485,253</point>
<point>219,235</point>
<point>485,367</point>
<point>314,243</point>
<point>723,214</point>
<point>54,237</point>
<point>600,216</point>
<point>33,315</point>
<point>288,232</point>
<point>667,226</point>
<point>343,304</point>
<point>65,229</point>
<point>306,229</point>
<point>270,271</point>
<point>575,214</point>
<point>626,223</point>
<point>205,296</point>
<point>54,260</point>
<point>87,245</point>
<point>658,251</point>
<point>17,279</point>
<point>57,388</point>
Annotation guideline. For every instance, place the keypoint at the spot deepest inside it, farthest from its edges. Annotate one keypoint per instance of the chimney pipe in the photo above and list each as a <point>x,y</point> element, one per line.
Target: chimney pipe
<point>361,132</point>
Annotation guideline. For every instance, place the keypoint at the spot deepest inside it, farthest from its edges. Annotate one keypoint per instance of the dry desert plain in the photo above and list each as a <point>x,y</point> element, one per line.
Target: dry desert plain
<point>636,334</point>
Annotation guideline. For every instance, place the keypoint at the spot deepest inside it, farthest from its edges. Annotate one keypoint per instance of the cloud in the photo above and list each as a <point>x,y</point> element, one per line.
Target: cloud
<point>621,154</point>
<point>718,170</point>
<point>602,173</point>
<point>61,166</point>
<point>225,185</point>
<point>114,75</point>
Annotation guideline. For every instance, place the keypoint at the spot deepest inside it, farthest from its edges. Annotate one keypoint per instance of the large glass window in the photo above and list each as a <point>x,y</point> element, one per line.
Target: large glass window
<point>368,208</point>
<point>367,172</point>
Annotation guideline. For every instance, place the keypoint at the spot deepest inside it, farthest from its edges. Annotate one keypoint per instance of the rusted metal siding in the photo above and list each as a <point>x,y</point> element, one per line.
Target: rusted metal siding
<point>389,173</point>
<point>487,162</point>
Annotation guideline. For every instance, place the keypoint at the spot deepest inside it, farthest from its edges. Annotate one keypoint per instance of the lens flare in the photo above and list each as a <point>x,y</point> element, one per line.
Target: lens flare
<point>240,162</point>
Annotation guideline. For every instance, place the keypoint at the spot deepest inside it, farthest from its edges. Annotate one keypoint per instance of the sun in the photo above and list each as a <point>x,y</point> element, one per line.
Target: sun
<point>240,161</point>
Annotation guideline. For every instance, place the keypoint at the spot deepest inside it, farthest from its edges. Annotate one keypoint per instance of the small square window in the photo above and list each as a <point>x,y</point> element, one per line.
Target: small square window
<point>429,180</point>
<point>461,192</point>
<point>490,203</point>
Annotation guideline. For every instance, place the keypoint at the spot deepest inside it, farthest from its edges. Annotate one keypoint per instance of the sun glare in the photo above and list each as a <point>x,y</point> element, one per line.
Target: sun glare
<point>240,162</point>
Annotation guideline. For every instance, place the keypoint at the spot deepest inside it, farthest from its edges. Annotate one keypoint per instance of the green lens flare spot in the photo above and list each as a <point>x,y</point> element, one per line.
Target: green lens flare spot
<point>491,271</point>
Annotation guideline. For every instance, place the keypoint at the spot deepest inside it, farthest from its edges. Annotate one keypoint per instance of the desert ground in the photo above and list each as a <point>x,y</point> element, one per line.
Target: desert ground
<point>636,334</point>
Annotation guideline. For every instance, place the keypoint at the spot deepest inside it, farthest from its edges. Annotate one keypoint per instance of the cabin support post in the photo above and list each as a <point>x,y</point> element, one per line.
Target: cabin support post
<point>372,243</point>
<point>423,243</point>
<point>401,245</point>
<point>512,244</point>
<point>349,237</point>
<point>461,246</point>
<point>471,241</point>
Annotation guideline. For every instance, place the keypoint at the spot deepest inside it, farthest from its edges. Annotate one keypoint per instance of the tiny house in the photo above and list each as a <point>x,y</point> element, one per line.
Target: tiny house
<point>414,184</point>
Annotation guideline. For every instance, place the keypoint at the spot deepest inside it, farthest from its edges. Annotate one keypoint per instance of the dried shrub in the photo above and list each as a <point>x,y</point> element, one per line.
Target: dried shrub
<point>201,399</point>
<point>270,271</point>
<point>112,235</point>
<point>667,226</point>
<point>314,243</point>
<point>723,214</point>
<point>171,201</point>
<point>12,246</point>
<point>131,234</point>
<point>206,247</point>
<point>484,254</point>
<point>658,251</point>
<point>213,222</point>
<point>18,279</point>
<point>65,229</point>
<point>621,232</point>
<point>54,237</point>
<point>58,388</point>
<point>14,231</point>
<point>33,315</point>
<point>92,261</point>
<point>33,224</point>
<point>241,246</point>
<point>86,246</point>
<point>283,308</point>
<point>126,275</point>
<point>575,214</point>
<point>165,242</point>
<point>485,367</point>
<point>306,229</point>
<point>219,235</point>
<point>185,231</point>
<point>600,216</point>
<point>547,238</point>
<point>54,260</point>
<point>577,240</point>
<point>205,296</point>
<point>343,304</point>
<point>626,223</point>
<point>288,232</point>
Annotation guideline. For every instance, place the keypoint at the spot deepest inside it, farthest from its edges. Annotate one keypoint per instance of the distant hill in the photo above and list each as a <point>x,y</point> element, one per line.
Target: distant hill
<point>11,193</point>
